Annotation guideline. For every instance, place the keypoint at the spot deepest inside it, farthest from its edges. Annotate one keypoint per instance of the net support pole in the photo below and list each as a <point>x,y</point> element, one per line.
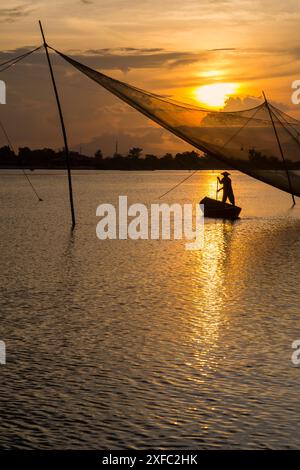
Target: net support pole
<point>280,148</point>
<point>62,127</point>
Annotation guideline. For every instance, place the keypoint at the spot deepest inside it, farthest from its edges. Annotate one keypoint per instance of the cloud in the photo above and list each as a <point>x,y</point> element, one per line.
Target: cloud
<point>10,15</point>
<point>278,62</point>
<point>223,49</point>
<point>150,139</point>
<point>128,50</point>
<point>95,118</point>
<point>123,59</point>
<point>236,103</point>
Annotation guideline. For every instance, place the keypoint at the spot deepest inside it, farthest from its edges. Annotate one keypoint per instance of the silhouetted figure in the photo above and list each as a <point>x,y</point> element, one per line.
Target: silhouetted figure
<point>227,188</point>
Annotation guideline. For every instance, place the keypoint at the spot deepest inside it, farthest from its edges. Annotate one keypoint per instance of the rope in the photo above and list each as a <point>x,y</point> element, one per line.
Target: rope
<point>178,184</point>
<point>277,112</point>
<point>224,145</point>
<point>23,171</point>
<point>14,60</point>
<point>243,126</point>
<point>8,64</point>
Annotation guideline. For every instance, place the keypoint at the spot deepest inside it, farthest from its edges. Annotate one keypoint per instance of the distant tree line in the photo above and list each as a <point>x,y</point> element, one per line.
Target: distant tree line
<point>190,160</point>
<point>51,159</point>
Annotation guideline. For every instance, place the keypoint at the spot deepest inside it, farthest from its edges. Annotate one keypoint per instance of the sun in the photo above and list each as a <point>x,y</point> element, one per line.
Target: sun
<point>216,94</point>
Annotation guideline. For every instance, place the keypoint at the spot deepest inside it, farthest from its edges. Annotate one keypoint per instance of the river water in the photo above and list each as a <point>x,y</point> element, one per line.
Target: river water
<point>143,344</point>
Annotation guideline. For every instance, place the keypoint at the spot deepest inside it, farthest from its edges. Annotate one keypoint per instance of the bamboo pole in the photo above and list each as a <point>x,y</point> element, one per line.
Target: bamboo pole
<point>280,148</point>
<point>62,127</point>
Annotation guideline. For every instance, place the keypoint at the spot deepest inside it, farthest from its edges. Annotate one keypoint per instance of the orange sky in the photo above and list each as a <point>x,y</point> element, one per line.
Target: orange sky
<point>169,47</point>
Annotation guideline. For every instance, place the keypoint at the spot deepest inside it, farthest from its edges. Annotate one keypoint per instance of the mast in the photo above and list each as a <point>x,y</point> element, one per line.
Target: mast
<point>280,148</point>
<point>62,127</point>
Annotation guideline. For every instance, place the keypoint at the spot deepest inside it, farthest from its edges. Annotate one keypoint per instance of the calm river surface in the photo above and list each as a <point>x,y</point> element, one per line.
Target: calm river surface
<point>142,344</point>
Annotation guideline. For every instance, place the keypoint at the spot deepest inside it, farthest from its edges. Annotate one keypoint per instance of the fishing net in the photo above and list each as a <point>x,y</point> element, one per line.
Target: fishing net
<point>262,142</point>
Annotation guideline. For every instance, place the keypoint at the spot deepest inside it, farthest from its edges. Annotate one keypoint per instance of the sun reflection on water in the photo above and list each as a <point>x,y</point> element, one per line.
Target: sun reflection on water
<point>208,294</point>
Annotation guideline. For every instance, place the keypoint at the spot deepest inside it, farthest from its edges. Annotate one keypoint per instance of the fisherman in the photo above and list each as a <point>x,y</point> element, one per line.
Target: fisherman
<point>227,187</point>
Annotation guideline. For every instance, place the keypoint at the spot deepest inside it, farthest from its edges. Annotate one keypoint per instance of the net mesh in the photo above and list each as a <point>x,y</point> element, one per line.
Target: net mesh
<point>245,140</point>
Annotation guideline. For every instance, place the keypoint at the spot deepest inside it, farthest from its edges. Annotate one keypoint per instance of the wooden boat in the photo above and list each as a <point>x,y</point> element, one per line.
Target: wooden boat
<point>219,210</point>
